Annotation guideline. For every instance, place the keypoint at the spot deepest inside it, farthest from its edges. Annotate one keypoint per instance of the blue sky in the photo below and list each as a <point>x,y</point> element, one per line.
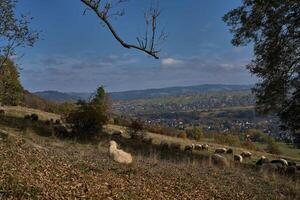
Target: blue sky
<point>76,53</point>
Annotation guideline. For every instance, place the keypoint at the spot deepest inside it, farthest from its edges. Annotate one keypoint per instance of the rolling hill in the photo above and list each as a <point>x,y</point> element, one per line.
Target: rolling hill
<point>144,94</point>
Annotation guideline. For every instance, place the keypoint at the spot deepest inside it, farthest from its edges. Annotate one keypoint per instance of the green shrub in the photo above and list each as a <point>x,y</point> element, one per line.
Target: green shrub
<point>88,119</point>
<point>228,139</point>
<point>195,133</point>
<point>136,129</point>
<point>272,146</point>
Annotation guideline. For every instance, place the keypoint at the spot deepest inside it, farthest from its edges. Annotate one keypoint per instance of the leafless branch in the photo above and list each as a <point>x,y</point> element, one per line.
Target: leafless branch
<point>147,43</point>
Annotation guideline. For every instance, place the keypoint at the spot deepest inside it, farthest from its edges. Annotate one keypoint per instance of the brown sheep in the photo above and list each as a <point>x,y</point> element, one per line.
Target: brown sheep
<point>189,147</point>
<point>229,151</point>
<point>281,161</point>
<point>220,150</point>
<point>198,147</point>
<point>219,160</point>
<point>238,158</point>
<point>246,154</point>
<point>262,161</point>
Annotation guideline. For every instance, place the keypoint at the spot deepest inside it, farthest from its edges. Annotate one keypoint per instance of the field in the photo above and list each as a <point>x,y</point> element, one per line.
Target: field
<point>38,167</point>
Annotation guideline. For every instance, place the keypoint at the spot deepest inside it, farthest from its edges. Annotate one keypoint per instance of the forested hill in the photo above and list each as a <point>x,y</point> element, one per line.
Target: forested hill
<point>144,94</point>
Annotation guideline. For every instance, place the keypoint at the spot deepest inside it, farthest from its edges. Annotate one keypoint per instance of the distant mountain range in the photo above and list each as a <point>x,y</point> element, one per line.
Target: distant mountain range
<point>144,94</point>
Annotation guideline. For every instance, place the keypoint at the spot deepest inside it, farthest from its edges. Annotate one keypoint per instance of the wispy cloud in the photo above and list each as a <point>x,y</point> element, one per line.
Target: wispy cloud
<point>171,62</point>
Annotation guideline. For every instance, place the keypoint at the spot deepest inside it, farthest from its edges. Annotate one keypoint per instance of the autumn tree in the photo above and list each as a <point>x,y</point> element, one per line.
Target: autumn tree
<point>273,27</point>
<point>88,119</point>
<point>14,30</point>
<point>11,90</point>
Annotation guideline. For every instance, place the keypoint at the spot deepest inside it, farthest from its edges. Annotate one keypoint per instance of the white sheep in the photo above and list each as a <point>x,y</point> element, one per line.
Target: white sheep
<point>198,147</point>
<point>205,147</point>
<point>238,158</point>
<point>246,154</point>
<point>119,155</point>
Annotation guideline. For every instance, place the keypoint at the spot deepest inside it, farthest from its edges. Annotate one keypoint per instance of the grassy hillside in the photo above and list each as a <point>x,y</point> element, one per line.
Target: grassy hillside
<point>36,167</point>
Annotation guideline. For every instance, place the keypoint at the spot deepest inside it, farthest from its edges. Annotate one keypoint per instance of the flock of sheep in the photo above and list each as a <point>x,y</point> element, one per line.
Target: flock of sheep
<point>277,165</point>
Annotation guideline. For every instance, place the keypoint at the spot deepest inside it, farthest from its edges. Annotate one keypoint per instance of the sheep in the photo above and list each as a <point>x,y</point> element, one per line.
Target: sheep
<point>175,146</point>
<point>147,140</point>
<point>220,150</point>
<point>198,147</point>
<point>262,161</point>
<point>219,160</point>
<point>189,147</point>
<point>271,168</point>
<point>229,151</point>
<point>292,163</point>
<point>34,117</point>
<point>291,170</point>
<point>117,133</point>
<point>205,147</point>
<point>246,154</point>
<point>119,155</point>
<point>238,158</point>
<point>281,161</point>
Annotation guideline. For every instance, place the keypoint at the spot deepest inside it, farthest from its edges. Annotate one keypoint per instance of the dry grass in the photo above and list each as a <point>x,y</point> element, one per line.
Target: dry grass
<point>157,138</point>
<point>18,111</point>
<point>67,170</point>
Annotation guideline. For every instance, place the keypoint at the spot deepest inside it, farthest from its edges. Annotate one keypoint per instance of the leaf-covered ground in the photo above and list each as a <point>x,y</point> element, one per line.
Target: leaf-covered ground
<point>38,169</point>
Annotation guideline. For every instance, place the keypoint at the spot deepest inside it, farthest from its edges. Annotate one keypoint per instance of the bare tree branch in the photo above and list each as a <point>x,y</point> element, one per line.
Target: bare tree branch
<point>145,44</point>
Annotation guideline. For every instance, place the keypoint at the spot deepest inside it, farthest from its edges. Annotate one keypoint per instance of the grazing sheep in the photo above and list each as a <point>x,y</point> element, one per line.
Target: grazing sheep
<point>175,146</point>
<point>119,155</point>
<point>281,161</point>
<point>262,161</point>
<point>220,150</point>
<point>205,147</point>
<point>229,151</point>
<point>271,168</point>
<point>189,147</point>
<point>117,133</point>
<point>219,160</point>
<point>198,147</point>
<point>238,158</point>
<point>147,140</point>
<point>246,154</point>
<point>291,170</point>
<point>291,163</point>
<point>34,117</point>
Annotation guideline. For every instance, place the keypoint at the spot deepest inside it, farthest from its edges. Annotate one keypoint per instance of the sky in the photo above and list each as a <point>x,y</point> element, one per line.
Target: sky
<point>76,53</point>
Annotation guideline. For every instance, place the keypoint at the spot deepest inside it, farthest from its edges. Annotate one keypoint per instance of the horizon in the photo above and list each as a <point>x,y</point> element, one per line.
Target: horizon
<point>183,86</point>
<point>198,52</point>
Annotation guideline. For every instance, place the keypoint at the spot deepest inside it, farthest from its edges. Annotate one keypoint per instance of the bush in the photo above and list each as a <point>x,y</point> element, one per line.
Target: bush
<point>228,139</point>
<point>249,145</point>
<point>88,119</point>
<point>195,133</point>
<point>182,135</point>
<point>136,129</point>
<point>272,146</point>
